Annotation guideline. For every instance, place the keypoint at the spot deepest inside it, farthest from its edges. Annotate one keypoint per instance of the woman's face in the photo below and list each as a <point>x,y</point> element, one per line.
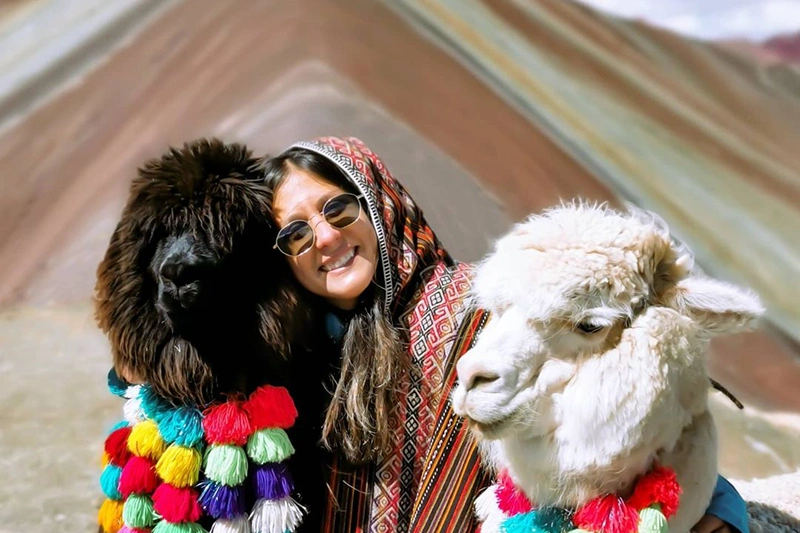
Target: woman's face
<point>341,263</point>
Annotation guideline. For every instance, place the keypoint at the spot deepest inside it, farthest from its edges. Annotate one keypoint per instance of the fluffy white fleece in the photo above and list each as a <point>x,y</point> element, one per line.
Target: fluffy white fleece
<point>593,366</point>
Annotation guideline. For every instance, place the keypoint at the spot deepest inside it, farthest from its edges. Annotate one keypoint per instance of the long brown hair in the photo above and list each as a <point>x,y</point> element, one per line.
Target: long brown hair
<point>373,356</point>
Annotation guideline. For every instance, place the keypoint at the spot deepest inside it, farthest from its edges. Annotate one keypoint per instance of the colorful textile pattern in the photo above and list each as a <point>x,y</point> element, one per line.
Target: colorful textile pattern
<point>169,468</point>
<point>431,479</point>
<point>504,507</point>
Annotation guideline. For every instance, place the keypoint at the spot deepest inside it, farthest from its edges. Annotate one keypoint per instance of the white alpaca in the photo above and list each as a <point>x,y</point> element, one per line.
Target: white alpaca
<point>593,366</point>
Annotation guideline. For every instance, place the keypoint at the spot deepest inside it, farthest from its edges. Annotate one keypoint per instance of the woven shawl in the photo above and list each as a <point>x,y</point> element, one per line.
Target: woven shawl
<point>430,480</point>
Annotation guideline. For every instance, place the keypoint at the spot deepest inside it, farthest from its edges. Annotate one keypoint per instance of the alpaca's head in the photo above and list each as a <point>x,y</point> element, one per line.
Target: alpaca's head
<point>190,293</point>
<point>563,287</point>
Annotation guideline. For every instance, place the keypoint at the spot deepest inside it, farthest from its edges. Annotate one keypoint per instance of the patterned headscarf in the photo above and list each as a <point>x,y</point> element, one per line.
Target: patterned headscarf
<point>407,244</point>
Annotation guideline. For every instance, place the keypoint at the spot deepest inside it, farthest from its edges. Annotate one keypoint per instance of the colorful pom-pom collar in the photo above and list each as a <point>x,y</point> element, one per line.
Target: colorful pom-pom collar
<point>167,469</point>
<point>654,500</point>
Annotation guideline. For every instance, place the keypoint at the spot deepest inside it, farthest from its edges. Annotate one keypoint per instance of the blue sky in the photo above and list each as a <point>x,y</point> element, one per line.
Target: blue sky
<point>712,19</point>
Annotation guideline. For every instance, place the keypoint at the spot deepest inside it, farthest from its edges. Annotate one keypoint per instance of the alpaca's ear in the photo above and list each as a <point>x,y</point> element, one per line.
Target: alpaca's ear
<point>716,306</point>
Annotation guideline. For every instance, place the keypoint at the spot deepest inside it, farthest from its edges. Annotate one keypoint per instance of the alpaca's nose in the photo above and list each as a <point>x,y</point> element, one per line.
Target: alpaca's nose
<point>179,270</point>
<point>473,373</point>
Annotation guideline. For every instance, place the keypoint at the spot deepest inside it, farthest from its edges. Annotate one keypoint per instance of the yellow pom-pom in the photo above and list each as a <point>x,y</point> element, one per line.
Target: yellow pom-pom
<point>652,520</point>
<point>104,460</point>
<point>179,466</point>
<point>145,440</point>
<point>110,516</point>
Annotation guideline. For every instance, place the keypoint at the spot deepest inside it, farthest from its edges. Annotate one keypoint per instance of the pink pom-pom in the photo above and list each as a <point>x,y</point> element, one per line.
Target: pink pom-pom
<point>138,477</point>
<point>609,514</point>
<point>510,499</point>
<point>177,504</point>
<point>271,407</point>
<point>227,424</point>
<point>116,446</point>
<point>660,485</point>
<point>127,529</point>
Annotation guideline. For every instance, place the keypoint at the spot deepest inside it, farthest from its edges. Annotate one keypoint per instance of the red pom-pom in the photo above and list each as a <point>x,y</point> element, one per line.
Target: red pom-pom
<point>660,485</point>
<point>271,407</point>
<point>227,424</point>
<point>177,505</point>
<point>138,477</point>
<point>609,514</point>
<point>510,499</point>
<point>116,446</point>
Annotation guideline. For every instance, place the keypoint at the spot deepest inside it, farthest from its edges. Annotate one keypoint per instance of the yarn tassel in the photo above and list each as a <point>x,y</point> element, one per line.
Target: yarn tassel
<point>269,445</point>
<point>240,524</point>
<point>138,511</point>
<point>132,410</point>
<point>109,517</point>
<point>273,481</point>
<point>177,504</point>
<point>609,514</point>
<point>271,407</point>
<point>182,426</point>
<point>179,466</point>
<point>109,481</point>
<point>276,516</point>
<point>138,477</point>
<point>544,520</point>
<point>652,520</point>
<point>153,406</point>
<point>126,529</point>
<point>227,424</point>
<point>116,446</point>
<point>185,527</point>
<point>145,440</point>
<point>510,499</point>
<point>225,464</point>
<point>222,501</point>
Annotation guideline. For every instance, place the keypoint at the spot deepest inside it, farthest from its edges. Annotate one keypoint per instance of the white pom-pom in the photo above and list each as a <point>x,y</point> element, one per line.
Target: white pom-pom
<point>240,524</point>
<point>488,511</point>
<point>276,516</point>
<point>132,410</point>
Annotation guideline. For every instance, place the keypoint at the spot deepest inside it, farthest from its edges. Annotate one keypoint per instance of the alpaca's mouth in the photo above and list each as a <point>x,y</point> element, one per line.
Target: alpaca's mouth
<point>489,429</point>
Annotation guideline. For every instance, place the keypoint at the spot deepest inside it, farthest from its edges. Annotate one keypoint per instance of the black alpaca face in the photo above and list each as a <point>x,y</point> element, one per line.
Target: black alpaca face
<point>190,293</point>
<point>183,267</point>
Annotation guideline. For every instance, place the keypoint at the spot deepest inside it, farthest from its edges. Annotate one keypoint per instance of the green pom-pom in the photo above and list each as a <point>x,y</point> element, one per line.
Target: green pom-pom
<point>138,511</point>
<point>269,446</point>
<point>226,464</point>
<point>652,520</point>
<point>184,527</point>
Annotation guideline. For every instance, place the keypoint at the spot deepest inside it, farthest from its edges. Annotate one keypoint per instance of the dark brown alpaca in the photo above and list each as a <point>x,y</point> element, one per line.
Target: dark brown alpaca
<point>192,296</point>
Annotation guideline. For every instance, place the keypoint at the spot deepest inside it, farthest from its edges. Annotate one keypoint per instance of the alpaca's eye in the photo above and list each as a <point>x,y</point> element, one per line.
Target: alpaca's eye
<point>588,327</point>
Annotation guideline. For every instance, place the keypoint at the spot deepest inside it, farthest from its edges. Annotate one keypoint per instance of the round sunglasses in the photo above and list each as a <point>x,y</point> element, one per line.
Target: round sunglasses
<point>298,236</point>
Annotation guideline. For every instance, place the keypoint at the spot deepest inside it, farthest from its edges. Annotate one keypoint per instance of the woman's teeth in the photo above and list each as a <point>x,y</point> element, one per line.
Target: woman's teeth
<point>341,261</point>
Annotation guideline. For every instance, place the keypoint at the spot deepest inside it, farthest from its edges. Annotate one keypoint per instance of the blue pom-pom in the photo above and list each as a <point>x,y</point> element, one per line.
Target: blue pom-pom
<point>544,520</point>
<point>115,384</point>
<point>109,481</point>
<point>118,425</point>
<point>182,426</point>
<point>153,406</point>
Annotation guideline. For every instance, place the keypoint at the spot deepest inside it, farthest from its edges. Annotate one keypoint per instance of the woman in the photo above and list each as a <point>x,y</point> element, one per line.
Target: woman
<point>391,302</point>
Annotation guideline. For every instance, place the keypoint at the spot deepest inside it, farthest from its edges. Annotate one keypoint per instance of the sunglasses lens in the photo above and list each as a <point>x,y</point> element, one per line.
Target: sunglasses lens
<point>295,238</point>
<point>341,211</point>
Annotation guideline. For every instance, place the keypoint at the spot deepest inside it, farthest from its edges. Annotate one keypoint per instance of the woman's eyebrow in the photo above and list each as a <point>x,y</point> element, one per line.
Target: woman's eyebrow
<point>294,215</point>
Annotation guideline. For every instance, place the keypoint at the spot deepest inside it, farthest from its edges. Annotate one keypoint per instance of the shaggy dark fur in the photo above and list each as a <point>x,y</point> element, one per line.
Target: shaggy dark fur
<point>190,293</point>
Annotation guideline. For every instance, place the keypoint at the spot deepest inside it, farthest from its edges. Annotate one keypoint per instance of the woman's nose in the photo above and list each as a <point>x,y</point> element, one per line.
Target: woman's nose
<point>325,234</point>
